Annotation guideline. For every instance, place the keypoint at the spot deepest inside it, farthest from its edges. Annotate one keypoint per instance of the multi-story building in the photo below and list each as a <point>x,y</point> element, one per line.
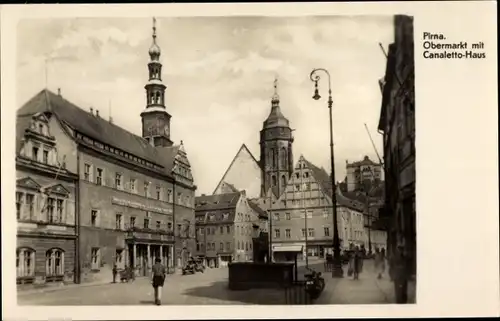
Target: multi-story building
<point>225,227</point>
<point>361,172</point>
<point>302,217</point>
<point>397,122</point>
<point>46,191</point>
<point>135,195</point>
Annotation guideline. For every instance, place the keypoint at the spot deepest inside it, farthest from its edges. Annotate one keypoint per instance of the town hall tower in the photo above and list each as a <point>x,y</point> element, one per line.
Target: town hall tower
<point>155,118</point>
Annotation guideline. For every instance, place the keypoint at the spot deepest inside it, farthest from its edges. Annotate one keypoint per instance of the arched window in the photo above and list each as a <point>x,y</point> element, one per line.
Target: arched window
<point>284,157</point>
<point>283,180</point>
<point>272,156</point>
<point>25,262</point>
<point>54,262</point>
<point>273,178</point>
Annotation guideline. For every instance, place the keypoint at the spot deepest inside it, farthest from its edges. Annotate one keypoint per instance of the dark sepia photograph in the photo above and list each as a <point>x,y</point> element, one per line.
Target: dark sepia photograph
<point>226,160</point>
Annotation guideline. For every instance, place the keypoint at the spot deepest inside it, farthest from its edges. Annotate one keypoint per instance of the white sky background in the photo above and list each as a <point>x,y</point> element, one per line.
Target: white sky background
<point>219,74</point>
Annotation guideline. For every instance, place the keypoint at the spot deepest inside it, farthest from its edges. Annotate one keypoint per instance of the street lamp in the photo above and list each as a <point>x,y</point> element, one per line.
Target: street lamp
<point>337,271</point>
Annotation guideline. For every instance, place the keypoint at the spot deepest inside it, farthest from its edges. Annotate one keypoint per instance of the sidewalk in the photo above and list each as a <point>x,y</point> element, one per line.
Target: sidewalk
<point>367,290</point>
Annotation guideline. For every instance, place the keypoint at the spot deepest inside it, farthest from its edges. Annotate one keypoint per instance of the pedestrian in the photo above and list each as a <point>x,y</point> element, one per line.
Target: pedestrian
<point>382,263</point>
<point>158,279</point>
<point>115,272</point>
<point>357,263</point>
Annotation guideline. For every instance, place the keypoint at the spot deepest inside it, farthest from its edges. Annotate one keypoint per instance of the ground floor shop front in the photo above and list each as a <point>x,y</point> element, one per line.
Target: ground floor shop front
<point>45,259</point>
<point>142,256</point>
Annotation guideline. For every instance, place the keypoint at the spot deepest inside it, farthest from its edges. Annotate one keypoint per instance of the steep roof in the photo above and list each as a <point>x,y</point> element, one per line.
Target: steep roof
<point>98,128</point>
<point>216,202</point>
<point>257,209</point>
<point>250,186</point>
<point>366,161</point>
<point>321,177</point>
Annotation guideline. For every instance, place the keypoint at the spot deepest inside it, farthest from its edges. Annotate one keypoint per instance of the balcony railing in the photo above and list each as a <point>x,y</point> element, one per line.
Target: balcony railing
<point>133,232</point>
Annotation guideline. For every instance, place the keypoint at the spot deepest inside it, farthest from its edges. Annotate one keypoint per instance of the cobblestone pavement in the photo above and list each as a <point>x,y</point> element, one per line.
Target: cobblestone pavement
<point>210,288</point>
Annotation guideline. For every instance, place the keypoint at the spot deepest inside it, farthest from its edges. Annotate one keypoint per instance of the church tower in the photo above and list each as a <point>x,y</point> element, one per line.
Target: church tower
<point>276,157</point>
<point>155,118</point>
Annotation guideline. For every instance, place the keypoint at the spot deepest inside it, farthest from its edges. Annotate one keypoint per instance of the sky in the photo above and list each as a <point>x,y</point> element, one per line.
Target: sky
<point>219,73</point>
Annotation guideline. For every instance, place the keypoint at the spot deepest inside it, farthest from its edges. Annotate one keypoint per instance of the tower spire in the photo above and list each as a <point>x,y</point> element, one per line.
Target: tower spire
<point>276,98</point>
<point>154,51</point>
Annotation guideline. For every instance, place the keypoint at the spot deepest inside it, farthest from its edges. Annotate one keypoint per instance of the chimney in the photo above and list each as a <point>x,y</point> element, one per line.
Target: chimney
<point>59,92</point>
<point>97,112</point>
<point>91,110</point>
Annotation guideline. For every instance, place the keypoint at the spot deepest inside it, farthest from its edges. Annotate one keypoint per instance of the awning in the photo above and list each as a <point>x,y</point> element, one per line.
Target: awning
<point>288,248</point>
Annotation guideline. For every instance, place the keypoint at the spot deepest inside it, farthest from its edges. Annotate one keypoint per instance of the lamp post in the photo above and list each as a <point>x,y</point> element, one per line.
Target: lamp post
<point>337,271</point>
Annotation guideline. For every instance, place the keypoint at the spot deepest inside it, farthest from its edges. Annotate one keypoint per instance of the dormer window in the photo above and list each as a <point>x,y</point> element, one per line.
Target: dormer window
<point>40,129</point>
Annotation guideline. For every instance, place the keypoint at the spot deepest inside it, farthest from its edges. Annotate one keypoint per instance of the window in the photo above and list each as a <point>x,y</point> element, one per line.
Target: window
<point>221,246</point>
<point>118,180</point>
<point>169,226</point>
<point>276,216</point>
<point>287,216</point>
<point>34,153</point>
<point>198,247</point>
<point>46,156</point>
<point>133,187</point>
<point>239,245</point>
<point>93,218</point>
<point>50,209</point>
<point>325,214</point>
<point>158,225</point>
<point>19,203</point>
<point>228,246</point>
<point>25,262</point>
<point>283,180</point>
<point>54,262</point>
<point>221,228</point>
<point>288,233</point>
<point>308,186</point>
<point>179,198</point>
<point>297,175</point>
<point>327,231</point>
<point>208,231</point>
<point>87,172</point>
<point>246,246</point>
<point>228,229</point>
<point>306,174</point>
<point>132,221</point>
<point>303,232</point>
<point>146,222</point>
<point>146,189</point>
<point>40,128</point>
<point>277,233</point>
<point>118,221</point>
<point>95,257</point>
<point>273,178</point>
<point>213,246</point>
<point>310,232</point>
<point>158,192</point>
<point>169,195</point>
<point>297,186</point>
<point>99,178</point>
<point>59,210</point>
<point>30,202</point>
<point>179,229</point>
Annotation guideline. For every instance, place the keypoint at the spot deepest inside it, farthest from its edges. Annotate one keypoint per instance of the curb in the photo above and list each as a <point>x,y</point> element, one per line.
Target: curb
<point>65,287</point>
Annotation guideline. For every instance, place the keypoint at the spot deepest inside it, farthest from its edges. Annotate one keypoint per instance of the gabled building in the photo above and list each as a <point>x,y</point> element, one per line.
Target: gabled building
<point>225,227</point>
<point>135,194</point>
<point>46,193</point>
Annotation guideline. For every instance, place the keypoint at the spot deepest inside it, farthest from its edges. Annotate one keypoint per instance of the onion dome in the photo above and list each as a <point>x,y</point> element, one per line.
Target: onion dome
<point>276,118</point>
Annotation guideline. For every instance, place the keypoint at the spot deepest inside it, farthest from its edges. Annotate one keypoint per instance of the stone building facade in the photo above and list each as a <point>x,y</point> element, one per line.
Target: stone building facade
<point>135,194</point>
<point>360,172</point>
<point>397,123</point>
<point>46,191</point>
<point>225,226</point>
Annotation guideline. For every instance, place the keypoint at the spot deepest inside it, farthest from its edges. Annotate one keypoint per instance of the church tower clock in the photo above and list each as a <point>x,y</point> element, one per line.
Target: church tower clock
<point>155,118</point>
<point>276,157</point>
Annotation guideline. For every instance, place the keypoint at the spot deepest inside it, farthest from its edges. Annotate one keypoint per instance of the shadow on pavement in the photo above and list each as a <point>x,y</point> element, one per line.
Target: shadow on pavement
<point>219,290</point>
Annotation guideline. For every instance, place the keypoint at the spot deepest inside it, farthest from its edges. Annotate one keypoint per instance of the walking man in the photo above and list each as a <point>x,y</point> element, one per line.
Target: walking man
<point>158,279</point>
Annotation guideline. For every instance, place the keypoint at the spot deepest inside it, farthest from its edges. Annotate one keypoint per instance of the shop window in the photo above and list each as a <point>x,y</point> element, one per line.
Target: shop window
<point>25,262</point>
<point>54,263</point>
